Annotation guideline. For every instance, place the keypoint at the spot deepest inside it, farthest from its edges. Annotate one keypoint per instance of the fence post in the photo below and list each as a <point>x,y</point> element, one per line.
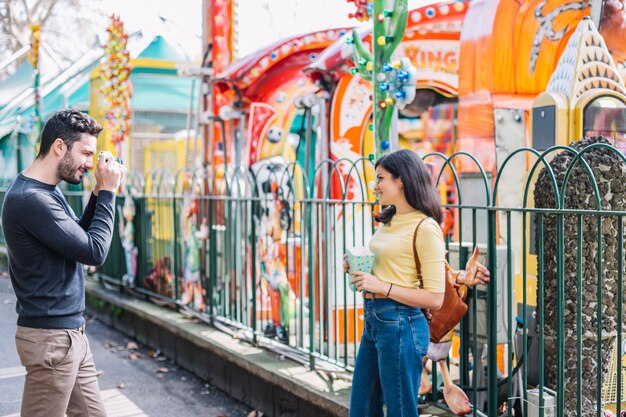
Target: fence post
<point>310,254</point>
<point>492,338</point>
<point>560,349</point>
<point>212,254</point>
<point>253,243</point>
<point>177,261</point>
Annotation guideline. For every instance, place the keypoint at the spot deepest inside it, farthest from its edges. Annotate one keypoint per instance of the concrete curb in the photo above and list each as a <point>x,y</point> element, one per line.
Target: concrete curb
<point>256,377</point>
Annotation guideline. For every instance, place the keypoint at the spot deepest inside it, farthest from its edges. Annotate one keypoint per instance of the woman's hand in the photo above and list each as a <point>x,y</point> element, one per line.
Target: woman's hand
<point>346,266</point>
<point>368,282</point>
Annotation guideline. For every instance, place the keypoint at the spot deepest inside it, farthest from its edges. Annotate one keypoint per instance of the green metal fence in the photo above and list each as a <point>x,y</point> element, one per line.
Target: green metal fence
<point>535,341</point>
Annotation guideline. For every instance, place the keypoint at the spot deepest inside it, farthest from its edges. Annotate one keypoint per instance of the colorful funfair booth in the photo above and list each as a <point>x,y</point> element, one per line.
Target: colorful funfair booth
<point>290,133</point>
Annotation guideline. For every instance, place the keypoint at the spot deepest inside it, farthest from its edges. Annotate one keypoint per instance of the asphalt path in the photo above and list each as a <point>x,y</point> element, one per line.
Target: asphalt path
<point>134,380</point>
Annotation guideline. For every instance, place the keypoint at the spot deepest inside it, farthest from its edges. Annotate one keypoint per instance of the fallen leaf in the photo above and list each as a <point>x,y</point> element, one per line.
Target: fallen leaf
<point>109,345</point>
<point>121,348</point>
<point>134,355</point>
<point>7,301</point>
<point>121,385</point>
<point>151,354</point>
<point>163,370</point>
<point>99,373</point>
<point>132,346</point>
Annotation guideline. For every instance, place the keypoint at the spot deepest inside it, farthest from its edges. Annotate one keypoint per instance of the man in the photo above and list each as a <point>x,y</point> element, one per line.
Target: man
<point>47,246</point>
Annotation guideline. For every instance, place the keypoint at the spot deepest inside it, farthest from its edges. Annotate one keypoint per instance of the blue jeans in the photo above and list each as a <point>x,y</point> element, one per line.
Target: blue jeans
<point>389,363</point>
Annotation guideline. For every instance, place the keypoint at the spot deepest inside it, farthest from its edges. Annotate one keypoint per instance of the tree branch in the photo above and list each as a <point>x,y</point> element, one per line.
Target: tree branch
<point>43,19</point>
<point>26,10</point>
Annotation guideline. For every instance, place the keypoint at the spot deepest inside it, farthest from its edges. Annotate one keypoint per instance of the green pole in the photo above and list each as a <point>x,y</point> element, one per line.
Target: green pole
<point>37,104</point>
<point>492,334</point>
<point>389,26</point>
<point>381,134</point>
<point>33,58</point>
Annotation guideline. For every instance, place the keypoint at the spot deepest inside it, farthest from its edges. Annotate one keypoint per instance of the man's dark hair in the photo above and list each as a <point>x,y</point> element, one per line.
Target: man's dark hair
<point>68,125</point>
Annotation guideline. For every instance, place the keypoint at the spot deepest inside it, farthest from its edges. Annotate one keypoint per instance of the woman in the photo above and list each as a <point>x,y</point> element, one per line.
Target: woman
<point>396,334</point>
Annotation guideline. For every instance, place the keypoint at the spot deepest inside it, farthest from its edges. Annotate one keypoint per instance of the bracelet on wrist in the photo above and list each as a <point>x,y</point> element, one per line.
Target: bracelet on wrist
<point>389,291</point>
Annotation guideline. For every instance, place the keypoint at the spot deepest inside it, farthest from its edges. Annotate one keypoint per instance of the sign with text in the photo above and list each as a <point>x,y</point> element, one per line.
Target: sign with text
<point>437,62</point>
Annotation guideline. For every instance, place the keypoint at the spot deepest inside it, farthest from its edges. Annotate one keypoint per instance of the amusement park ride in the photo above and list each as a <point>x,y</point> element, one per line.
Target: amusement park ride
<point>483,86</point>
<point>490,77</point>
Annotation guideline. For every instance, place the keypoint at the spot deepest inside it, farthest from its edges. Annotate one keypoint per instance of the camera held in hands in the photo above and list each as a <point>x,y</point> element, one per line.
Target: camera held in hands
<point>108,155</point>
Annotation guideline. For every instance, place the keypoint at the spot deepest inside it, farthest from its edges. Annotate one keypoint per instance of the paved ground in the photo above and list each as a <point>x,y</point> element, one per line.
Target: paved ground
<point>134,381</point>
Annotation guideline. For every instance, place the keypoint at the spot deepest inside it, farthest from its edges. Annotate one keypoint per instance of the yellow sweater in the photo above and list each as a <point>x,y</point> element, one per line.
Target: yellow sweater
<point>393,255</point>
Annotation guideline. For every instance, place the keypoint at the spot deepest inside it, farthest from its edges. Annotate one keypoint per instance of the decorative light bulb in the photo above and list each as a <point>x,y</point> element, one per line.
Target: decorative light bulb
<point>381,41</point>
<point>353,70</point>
<point>369,66</point>
<point>383,87</point>
<point>387,67</point>
<point>384,145</point>
<point>383,104</point>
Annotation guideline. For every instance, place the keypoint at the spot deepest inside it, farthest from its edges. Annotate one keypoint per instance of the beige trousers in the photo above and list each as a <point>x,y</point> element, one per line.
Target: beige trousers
<point>60,373</point>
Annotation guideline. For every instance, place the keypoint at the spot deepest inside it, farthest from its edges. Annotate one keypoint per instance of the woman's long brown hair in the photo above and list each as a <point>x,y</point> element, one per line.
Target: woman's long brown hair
<point>419,190</point>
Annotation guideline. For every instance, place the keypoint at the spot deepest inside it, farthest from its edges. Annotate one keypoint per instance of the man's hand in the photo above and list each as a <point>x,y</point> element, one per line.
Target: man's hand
<point>109,174</point>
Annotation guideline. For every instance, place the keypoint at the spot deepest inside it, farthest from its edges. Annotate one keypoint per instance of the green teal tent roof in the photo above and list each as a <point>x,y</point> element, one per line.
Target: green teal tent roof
<point>159,48</point>
<point>161,92</point>
<point>154,89</point>
<point>59,97</point>
<point>16,83</point>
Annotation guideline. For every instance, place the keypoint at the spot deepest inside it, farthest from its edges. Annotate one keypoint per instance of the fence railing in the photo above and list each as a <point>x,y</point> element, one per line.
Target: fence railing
<point>260,251</point>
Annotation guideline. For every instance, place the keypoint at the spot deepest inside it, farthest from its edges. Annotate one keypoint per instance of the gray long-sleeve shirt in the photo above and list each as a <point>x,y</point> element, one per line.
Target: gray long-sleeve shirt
<point>47,244</point>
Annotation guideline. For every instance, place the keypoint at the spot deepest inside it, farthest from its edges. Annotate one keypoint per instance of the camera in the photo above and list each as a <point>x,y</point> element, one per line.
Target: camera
<point>108,155</point>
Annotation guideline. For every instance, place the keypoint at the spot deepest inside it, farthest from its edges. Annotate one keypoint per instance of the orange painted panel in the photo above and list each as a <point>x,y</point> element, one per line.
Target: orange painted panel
<point>534,79</point>
<point>340,319</point>
<point>505,67</point>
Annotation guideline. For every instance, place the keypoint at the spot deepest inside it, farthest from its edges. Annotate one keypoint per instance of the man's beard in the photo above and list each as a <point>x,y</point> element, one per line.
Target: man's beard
<point>67,171</point>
